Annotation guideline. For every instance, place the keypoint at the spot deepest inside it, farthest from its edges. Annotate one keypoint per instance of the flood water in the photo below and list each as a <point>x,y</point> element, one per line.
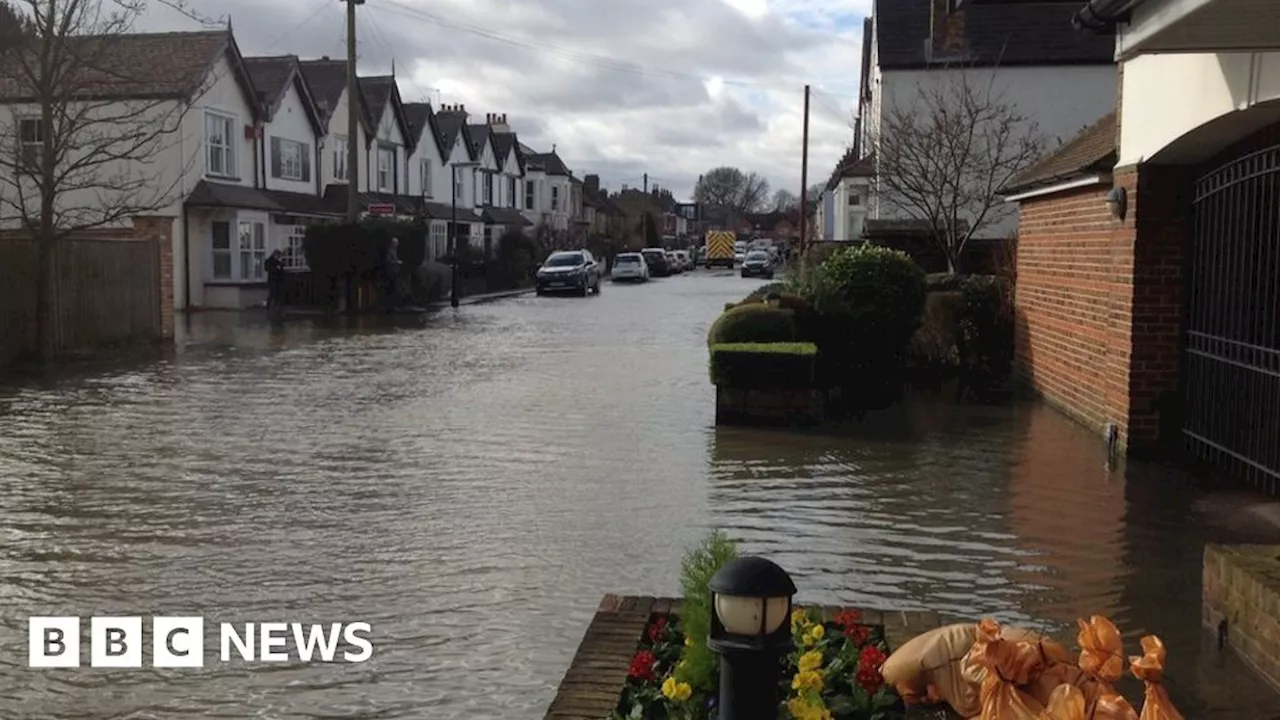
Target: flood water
<point>471,483</point>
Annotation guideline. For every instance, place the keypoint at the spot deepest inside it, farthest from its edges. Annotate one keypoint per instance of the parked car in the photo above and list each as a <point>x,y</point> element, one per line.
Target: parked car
<point>631,267</point>
<point>739,252</point>
<point>674,263</point>
<point>656,259</point>
<point>686,262</point>
<point>758,263</point>
<point>569,271</point>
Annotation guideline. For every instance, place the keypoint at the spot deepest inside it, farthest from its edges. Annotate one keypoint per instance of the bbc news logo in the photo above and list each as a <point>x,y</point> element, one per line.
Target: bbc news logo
<point>178,642</point>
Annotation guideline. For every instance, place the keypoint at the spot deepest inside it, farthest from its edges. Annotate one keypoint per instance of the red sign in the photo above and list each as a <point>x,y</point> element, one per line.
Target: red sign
<point>382,209</point>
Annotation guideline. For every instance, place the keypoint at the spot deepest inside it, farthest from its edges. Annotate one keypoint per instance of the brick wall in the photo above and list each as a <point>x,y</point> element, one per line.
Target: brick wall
<point>1099,303</point>
<point>158,230</point>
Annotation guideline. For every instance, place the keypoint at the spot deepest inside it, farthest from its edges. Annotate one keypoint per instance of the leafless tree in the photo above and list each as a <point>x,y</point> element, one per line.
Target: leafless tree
<point>945,153</point>
<point>732,189</point>
<point>784,200</point>
<point>78,149</point>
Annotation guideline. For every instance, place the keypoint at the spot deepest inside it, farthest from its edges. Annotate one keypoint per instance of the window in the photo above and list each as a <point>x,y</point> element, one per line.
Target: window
<point>457,185</point>
<point>290,160</point>
<point>424,177</point>
<point>528,195</point>
<point>511,192</point>
<point>855,199</point>
<point>340,158</point>
<point>488,188</point>
<point>295,257</point>
<point>555,197</point>
<point>253,250</point>
<point>386,169</point>
<point>219,138</point>
<point>439,240</point>
<point>221,251</point>
<point>31,138</point>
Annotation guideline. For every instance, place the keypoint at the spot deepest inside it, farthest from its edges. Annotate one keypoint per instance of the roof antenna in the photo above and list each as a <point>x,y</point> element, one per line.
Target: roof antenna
<point>393,67</point>
<point>228,22</point>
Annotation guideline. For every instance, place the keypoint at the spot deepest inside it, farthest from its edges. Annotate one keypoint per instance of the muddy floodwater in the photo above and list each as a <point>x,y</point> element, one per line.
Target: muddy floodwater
<point>471,483</point>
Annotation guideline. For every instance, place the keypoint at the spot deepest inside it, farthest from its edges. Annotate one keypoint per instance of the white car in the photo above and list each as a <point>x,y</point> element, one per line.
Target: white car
<point>630,266</point>
<point>683,258</point>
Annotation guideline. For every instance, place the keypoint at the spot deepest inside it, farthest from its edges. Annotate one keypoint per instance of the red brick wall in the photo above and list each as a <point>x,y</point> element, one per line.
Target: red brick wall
<point>1099,302</point>
<point>159,230</point>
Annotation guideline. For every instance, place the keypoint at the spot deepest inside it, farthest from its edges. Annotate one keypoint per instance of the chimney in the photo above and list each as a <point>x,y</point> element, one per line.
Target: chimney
<point>591,183</point>
<point>498,123</point>
<point>947,30</point>
<point>324,57</point>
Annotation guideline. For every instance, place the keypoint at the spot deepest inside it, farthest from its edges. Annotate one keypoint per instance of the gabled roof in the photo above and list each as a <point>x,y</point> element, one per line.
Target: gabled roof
<point>549,162</point>
<point>272,77</point>
<point>478,135</point>
<point>1007,34</point>
<point>1089,153</point>
<point>378,92</point>
<point>505,143</point>
<point>328,81</point>
<point>850,166</point>
<point>144,66</point>
<point>423,128</point>
<point>452,125</point>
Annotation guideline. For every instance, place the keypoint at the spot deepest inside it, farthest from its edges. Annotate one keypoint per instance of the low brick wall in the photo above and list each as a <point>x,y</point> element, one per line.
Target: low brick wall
<point>802,406</point>
<point>1242,589</point>
<point>594,681</point>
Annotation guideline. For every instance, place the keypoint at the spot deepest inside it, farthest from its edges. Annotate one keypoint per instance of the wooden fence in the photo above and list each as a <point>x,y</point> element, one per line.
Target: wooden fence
<point>109,288</point>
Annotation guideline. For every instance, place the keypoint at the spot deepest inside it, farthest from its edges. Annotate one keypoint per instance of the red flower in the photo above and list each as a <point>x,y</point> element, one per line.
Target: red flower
<point>642,666</point>
<point>658,630</point>
<point>848,618</point>
<point>868,674</point>
<point>857,634</point>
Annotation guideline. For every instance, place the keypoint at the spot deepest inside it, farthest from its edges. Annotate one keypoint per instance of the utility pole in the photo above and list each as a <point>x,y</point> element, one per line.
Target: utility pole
<point>646,183</point>
<point>353,117</point>
<point>804,179</point>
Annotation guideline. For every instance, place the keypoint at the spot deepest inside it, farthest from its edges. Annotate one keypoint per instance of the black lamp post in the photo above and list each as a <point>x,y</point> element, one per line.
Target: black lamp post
<point>750,629</point>
<point>453,232</point>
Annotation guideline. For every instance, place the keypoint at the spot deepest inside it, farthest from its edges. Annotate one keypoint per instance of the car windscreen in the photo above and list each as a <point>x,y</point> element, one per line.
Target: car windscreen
<point>655,254</point>
<point>757,255</point>
<point>564,260</point>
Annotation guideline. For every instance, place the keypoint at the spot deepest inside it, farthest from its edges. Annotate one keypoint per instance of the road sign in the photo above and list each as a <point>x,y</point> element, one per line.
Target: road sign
<point>382,209</point>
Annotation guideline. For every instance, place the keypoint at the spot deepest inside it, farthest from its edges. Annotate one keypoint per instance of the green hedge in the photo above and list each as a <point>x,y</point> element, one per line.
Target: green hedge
<point>753,322</point>
<point>356,250</point>
<point>764,366</point>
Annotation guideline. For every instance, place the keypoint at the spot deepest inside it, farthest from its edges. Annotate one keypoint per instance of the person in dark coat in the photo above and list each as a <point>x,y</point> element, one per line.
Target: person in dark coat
<point>391,273</point>
<point>274,267</point>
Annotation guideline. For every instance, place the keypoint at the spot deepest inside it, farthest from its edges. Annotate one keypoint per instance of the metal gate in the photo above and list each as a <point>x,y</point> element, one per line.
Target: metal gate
<point>1231,369</point>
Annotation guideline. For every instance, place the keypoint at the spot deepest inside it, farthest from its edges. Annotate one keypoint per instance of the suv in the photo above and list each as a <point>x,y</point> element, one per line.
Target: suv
<point>656,258</point>
<point>570,270</point>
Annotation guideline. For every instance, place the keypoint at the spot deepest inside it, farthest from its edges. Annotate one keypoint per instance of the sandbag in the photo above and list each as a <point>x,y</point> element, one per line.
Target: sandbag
<point>1068,702</point>
<point>1003,666</point>
<point>929,667</point>
<point>1149,668</point>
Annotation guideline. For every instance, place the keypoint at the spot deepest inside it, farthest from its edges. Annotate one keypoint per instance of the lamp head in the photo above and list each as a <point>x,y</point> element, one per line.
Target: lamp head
<point>1118,202</point>
<point>750,605</point>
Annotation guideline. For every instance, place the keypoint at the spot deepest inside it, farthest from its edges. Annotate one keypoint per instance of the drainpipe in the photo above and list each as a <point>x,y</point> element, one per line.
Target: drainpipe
<point>261,152</point>
<point>186,259</point>
<point>1101,16</point>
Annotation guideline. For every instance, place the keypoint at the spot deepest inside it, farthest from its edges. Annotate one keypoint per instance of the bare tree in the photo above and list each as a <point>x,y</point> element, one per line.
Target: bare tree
<point>732,189</point>
<point>784,199</point>
<point>78,149</point>
<point>943,157</point>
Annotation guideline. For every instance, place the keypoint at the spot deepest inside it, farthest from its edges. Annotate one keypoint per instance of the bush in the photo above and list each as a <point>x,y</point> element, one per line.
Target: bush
<point>516,261</point>
<point>701,668</point>
<point>763,366</point>
<point>764,291</point>
<point>968,328</point>
<point>754,322</point>
<point>356,250</point>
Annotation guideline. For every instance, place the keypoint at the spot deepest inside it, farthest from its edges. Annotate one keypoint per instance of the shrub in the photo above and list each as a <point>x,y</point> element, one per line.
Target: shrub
<point>356,250</point>
<point>516,261</point>
<point>701,667</point>
<point>764,291</point>
<point>763,366</point>
<point>873,298</point>
<point>753,322</point>
<point>986,330</point>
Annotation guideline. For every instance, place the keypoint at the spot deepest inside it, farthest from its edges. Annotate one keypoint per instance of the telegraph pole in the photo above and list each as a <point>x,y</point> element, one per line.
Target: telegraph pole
<point>353,116</point>
<point>646,183</point>
<point>804,179</point>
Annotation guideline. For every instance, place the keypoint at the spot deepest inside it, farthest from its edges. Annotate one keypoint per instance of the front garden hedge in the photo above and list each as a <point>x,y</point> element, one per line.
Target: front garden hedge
<point>754,322</point>
<point>764,366</point>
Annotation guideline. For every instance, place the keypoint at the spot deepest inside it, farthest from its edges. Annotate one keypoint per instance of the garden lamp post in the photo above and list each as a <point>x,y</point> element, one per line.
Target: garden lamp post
<point>750,629</point>
<point>453,232</point>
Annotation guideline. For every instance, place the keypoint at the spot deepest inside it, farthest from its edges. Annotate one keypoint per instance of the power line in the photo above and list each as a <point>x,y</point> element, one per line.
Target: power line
<point>577,56</point>
<point>305,21</point>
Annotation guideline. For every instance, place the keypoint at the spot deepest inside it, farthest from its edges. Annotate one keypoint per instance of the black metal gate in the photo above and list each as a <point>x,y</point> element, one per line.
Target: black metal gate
<point>1232,361</point>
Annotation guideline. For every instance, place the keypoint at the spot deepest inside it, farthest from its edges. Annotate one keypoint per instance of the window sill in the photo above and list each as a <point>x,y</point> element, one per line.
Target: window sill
<point>251,284</point>
<point>224,178</point>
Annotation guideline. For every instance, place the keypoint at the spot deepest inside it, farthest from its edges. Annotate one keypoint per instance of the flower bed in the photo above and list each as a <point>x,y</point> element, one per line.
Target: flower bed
<point>832,674</point>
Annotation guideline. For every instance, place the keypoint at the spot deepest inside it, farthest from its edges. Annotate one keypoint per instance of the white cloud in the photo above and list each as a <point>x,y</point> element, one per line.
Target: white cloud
<point>621,87</point>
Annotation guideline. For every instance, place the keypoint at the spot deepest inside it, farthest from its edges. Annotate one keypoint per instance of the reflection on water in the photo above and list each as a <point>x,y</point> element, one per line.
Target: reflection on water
<point>470,483</point>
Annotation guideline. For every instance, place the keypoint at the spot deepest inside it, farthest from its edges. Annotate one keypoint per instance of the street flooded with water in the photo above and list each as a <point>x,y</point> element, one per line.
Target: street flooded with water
<point>472,482</point>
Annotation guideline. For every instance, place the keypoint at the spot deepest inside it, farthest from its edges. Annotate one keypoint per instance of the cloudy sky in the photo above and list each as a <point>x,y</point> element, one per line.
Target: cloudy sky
<point>621,87</point>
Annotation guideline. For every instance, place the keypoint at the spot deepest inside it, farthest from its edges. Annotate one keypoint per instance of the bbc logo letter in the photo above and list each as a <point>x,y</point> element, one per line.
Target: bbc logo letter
<point>54,642</point>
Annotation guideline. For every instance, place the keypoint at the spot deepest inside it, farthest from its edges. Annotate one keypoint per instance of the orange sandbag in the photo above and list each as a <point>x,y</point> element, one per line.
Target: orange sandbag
<point>1149,668</point>
<point>1003,666</point>
<point>929,667</point>
<point>1067,702</point>
<point>1101,649</point>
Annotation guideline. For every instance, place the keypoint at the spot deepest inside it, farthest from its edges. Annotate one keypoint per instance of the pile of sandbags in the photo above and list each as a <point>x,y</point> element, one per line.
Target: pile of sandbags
<point>989,672</point>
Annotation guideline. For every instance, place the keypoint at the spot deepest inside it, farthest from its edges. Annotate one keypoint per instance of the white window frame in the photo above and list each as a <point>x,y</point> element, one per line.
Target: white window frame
<point>291,167</point>
<point>458,183</point>
<point>513,189</point>
<point>555,197</point>
<point>250,249</point>
<point>387,172</point>
<point>530,193</point>
<point>439,240</point>
<point>295,254</point>
<point>226,150</point>
<point>424,173</point>
<point>487,184</point>
<point>31,150</point>
<point>340,158</point>
<point>227,252</point>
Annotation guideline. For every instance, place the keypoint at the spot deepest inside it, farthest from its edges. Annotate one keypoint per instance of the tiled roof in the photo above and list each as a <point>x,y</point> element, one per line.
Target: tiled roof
<point>450,123</point>
<point>478,134</point>
<point>1007,34</point>
<point>502,144</point>
<point>550,162</point>
<point>335,198</point>
<point>270,75</point>
<point>328,80</point>
<point>504,216</point>
<point>850,166</point>
<point>422,125</point>
<point>207,194</point>
<point>376,91</point>
<point>440,211</point>
<point>136,65</point>
<point>1092,151</point>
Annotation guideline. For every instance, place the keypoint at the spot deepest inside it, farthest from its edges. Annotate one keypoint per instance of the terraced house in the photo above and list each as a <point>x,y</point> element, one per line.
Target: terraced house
<point>258,149</point>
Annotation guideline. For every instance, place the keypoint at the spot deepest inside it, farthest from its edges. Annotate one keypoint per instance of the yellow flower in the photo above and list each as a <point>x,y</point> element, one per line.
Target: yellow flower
<point>802,709</point>
<point>799,619</point>
<point>811,660</point>
<point>688,642</point>
<point>669,687</point>
<point>807,680</point>
<point>683,691</point>
<point>813,634</point>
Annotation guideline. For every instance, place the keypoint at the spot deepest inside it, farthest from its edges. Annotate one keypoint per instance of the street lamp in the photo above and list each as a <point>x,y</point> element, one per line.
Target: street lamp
<point>453,231</point>
<point>750,607</point>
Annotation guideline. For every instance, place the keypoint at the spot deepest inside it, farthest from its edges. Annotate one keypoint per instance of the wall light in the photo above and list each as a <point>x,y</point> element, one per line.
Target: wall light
<point>1118,202</point>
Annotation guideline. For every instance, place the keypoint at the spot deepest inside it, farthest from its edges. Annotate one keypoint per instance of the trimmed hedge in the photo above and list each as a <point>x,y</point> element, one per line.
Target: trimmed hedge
<point>753,323</point>
<point>764,366</point>
<point>356,250</point>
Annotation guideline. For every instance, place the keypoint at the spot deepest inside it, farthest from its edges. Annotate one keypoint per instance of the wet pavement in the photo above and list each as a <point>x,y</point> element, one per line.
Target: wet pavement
<point>471,482</point>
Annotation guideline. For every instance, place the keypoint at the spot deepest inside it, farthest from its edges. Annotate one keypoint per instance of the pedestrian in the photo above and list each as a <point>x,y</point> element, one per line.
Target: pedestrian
<point>274,267</point>
<point>391,273</point>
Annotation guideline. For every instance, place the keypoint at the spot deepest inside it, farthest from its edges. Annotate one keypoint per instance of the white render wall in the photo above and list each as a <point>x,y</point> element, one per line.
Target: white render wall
<point>338,128</point>
<point>1168,96</point>
<point>291,123</point>
<point>388,131</point>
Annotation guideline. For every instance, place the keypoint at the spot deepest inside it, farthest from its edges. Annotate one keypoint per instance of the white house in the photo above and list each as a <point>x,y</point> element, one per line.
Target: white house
<point>505,213</point>
<point>1057,78</point>
<point>845,204</point>
<point>553,194</point>
<point>328,82</point>
<point>463,178</point>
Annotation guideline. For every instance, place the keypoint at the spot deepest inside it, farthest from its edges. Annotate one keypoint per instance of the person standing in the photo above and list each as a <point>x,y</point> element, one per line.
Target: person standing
<point>391,273</point>
<point>274,267</point>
